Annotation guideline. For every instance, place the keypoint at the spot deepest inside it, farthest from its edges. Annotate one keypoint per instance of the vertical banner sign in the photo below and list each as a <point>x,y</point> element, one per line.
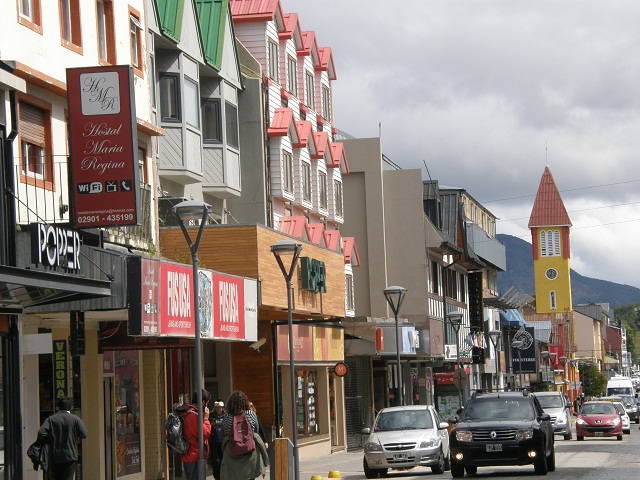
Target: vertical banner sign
<point>103,147</point>
<point>228,314</point>
<point>525,362</point>
<point>177,312</point>
<point>60,369</point>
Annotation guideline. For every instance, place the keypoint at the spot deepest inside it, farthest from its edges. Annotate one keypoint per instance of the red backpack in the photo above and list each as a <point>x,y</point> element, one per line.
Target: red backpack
<point>241,440</point>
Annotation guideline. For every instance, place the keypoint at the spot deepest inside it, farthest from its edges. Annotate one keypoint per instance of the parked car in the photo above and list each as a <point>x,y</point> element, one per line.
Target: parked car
<point>505,428</point>
<point>598,419</point>
<point>557,406</point>
<point>406,437</point>
<point>619,404</point>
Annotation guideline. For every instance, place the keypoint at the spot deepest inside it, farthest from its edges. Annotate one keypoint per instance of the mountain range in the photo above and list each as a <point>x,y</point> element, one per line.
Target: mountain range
<point>519,274</point>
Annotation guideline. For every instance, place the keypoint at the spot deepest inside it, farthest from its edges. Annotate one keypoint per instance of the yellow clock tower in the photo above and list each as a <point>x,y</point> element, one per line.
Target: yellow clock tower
<point>549,224</point>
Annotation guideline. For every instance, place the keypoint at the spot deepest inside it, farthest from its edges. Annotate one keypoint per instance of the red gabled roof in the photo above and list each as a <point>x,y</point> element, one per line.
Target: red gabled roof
<point>309,44</point>
<point>350,251</point>
<point>293,226</point>
<point>291,24</point>
<point>548,207</point>
<point>305,134</point>
<point>338,157</point>
<point>322,143</point>
<point>332,239</point>
<point>314,232</point>
<point>325,59</point>
<point>244,11</point>
<point>283,124</point>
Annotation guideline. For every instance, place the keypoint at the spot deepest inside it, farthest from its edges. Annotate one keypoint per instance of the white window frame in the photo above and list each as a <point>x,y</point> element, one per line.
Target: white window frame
<point>322,190</point>
<point>274,69</point>
<point>287,172</point>
<point>349,293</point>
<point>292,75</point>
<point>306,181</point>
<point>310,90</point>
<point>337,198</point>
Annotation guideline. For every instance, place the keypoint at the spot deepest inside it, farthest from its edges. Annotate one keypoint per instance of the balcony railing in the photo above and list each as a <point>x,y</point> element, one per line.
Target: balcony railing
<point>42,196</point>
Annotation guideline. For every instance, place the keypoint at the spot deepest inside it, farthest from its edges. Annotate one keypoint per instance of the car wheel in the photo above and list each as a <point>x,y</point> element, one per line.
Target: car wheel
<point>579,438</point>
<point>457,470</point>
<point>619,437</point>
<point>540,465</point>
<point>370,472</point>
<point>471,470</point>
<point>551,460</point>
<point>439,467</point>
<point>568,435</point>
<point>627,432</point>
<point>637,420</point>
<point>447,463</point>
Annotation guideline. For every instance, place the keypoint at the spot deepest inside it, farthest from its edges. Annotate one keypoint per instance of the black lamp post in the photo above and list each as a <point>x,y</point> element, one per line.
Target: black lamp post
<point>495,336</point>
<point>394,296</point>
<point>455,318</point>
<point>188,211</point>
<point>286,248</point>
<point>517,344</point>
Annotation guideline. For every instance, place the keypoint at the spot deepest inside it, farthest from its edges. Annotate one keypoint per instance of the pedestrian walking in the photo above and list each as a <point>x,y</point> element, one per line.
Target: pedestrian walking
<point>189,413</point>
<point>216,418</point>
<point>61,432</point>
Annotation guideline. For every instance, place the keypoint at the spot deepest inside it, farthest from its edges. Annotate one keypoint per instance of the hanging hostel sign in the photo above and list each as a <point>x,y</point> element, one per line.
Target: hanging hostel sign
<point>103,145</point>
<point>164,305</point>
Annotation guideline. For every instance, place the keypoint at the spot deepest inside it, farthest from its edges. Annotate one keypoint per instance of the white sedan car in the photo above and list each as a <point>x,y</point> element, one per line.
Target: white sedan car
<point>626,421</point>
<point>406,437</point>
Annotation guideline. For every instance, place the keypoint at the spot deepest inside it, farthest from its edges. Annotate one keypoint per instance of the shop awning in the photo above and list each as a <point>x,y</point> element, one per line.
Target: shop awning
<point>511,318</point>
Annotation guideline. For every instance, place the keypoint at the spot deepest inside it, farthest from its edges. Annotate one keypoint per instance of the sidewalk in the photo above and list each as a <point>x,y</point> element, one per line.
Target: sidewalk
<point>348,464</point>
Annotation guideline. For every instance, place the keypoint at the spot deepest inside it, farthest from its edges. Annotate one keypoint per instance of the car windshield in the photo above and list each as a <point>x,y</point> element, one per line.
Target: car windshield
<point>620,408</point>
<point>550,401</point>
<point>628,399</point>
<point>598,409</point>
<point>403,420</point>
<point>499,409</point>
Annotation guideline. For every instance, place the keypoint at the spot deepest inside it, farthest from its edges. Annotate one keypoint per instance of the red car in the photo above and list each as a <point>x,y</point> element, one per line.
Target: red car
<point>598,419</point>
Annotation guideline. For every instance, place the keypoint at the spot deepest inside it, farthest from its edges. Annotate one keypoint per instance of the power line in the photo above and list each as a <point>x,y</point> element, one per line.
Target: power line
<point>573,211</point>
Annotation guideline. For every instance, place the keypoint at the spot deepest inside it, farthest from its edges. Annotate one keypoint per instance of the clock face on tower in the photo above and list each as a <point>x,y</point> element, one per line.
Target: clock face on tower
<point>551,273</point>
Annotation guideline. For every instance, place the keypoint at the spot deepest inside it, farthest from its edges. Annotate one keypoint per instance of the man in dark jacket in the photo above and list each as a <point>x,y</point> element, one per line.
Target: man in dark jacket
<point>61,432</point>
<point>190,431</point>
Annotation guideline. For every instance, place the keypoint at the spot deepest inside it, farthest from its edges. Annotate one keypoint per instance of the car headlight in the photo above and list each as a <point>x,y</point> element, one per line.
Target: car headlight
<point>524,433</point>
<point>632,408</point>
<point>562,418</point>
<point>432,442</point>
<point>581,421</point>
<point>373,447</point>
<point>464,436</point>
<point>616,421</point>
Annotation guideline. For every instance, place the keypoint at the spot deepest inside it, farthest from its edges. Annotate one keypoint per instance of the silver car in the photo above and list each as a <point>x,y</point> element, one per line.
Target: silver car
<point>406,437</point>
<point>557,406</point>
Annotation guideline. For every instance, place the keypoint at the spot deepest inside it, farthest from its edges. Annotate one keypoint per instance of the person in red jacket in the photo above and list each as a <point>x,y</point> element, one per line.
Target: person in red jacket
<point>189,413</point>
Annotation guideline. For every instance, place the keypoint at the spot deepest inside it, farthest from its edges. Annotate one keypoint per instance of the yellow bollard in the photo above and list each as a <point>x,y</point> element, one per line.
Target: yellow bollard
<point>334,474</point>
<point>316,477</point>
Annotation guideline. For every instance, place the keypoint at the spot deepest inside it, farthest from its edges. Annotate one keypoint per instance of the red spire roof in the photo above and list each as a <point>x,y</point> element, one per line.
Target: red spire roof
<point>548,208</point>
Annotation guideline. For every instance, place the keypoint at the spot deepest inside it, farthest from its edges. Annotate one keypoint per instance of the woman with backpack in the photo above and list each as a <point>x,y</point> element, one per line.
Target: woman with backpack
<point>244,455</point>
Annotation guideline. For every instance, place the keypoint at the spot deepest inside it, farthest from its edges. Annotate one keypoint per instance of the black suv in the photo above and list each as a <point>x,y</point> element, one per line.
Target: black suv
<point>502,428</point>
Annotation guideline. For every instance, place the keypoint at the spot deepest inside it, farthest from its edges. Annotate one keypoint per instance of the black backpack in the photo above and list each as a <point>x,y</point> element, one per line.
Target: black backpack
<point>241,440</point>
<point>176,442</point>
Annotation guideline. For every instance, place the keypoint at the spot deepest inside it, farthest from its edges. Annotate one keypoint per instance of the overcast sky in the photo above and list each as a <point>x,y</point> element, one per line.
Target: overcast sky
<point>489,92</point>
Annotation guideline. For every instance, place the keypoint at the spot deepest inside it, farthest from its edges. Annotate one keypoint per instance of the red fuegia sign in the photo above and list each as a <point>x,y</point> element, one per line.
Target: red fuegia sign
<point>103,166</point>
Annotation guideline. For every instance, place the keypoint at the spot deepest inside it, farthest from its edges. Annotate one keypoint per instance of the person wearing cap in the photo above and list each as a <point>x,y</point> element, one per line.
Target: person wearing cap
<point>215,440</point>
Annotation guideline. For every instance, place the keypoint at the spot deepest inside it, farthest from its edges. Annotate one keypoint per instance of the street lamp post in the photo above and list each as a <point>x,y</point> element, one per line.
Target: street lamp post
<point>187,211</point>
<point>455,318</point>
<point>518,344</point>
<point>395,296</point>
<point>495,336</point>
<point>288,247</point>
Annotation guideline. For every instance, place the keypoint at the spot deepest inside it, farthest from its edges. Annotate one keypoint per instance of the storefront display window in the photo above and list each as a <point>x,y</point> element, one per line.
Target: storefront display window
<point>307,401</point>
<point>127,408</point>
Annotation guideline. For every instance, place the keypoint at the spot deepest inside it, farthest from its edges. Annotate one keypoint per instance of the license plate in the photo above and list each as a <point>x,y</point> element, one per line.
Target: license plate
<point>598,434</point>
<point>400,456</point>
<point>494,447</point>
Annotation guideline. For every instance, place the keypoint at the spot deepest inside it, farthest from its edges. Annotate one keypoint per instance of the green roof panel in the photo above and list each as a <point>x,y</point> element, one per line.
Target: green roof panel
<point>212,15</point>
<point>170,13</point>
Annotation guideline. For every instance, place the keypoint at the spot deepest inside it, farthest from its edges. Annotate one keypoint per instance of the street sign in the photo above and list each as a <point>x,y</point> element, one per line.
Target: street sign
<point>460,378</point>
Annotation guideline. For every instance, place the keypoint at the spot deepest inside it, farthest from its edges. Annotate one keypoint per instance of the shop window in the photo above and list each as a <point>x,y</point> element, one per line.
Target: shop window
<point>231,123</point>
<point>127,411</point>
<point>306,182</point>
<point>322,187</point>
<point>106,32</point>
<point>287,166</point>
<point>70,28</point>
<point>34,126</point>
<point>170,97</point>
<point>273,61</point>
<point>29,14</point>
<point>135,32</point>
<point>211,121</point>
<point>310,90</point>
<point>292,76</point>
<point>307,388</point>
